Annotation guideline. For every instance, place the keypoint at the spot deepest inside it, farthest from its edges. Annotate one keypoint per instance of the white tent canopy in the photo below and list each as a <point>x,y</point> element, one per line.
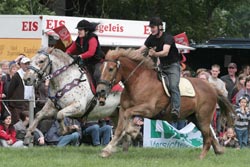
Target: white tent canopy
<point>184,47</point>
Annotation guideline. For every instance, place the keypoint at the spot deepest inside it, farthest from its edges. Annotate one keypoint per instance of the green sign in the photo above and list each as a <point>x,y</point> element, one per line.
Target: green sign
<point>161,134</point>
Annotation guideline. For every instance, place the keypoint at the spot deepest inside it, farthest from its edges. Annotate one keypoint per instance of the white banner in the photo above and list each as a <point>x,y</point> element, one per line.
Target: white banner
<point>159,133</point>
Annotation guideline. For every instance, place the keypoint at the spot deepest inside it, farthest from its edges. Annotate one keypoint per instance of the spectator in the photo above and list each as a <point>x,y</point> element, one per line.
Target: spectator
<point>245,91</point>
<point>240,84</point>
<point>8,133</point>
<point>242,120</point>
<point>230,79</point>
<point>179,124</point>
<point>138,121</point>
<point>2,93</point>
<point>13,67</point>
<point>220,85</point>
<point>54,137</point>
<point>203,75</point>
<point>186,73</point>
<point>199,70</point>
<point>5,67</point>
<point>229,139</point>
<point>245,70</point>
<point>99,131</point>
<point>21,129</point>
<point>217,82</point>
<point>18,92</point>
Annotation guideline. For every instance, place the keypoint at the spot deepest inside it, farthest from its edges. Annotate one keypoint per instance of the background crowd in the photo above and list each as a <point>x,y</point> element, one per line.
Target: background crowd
<point>235,85</point>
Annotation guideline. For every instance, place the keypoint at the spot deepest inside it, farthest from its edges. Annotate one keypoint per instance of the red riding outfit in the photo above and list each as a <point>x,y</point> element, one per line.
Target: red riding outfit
<point>88,47</point>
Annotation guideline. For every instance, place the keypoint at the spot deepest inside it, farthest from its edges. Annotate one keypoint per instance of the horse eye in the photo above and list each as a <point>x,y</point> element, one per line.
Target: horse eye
<point>41,61</point>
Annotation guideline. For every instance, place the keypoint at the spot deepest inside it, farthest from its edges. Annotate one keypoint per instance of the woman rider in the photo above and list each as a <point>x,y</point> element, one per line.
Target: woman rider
<point>87,47</point>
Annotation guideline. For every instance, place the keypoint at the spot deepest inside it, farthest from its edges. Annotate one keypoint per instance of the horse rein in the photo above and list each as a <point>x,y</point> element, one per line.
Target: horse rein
<point>130,75</point>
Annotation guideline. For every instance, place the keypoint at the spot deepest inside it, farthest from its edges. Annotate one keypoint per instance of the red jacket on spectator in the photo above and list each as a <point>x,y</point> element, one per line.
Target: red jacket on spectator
<point>8,133</point>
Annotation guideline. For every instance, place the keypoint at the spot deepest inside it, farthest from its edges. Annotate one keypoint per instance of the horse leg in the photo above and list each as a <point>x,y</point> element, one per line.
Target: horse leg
<point>126,127</point>
<point>125,143</point>
<point>119,133</point>
<point>47,111</point>
<point>202,122</point>
<point>72,110</point>
<point>132,132</point>
<point>218,149</point>
<point>212,137</point>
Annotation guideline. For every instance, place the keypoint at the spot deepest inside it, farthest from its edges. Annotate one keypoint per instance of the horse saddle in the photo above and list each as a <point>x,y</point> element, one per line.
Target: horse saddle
<point>185,86</point>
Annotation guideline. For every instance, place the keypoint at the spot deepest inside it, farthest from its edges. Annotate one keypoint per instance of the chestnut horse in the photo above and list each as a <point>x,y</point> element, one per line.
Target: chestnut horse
<point>144,96</point>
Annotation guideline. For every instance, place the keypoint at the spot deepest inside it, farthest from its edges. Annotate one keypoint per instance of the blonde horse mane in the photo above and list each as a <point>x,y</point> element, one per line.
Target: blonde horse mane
<point>131,54</point>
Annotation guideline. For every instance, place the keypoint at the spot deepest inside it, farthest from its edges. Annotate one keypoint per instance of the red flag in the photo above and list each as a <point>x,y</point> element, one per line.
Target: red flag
<point>183,40</point>
<point>64,35</point>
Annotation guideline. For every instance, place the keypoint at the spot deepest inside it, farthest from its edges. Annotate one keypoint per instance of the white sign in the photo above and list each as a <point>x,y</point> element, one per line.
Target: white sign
<point>110,32</point>
<point>159,133</point>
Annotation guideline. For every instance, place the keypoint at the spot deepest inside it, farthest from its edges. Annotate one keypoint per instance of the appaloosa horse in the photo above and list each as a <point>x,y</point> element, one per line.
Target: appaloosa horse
<point>69,90</point>
<point>144,96</point>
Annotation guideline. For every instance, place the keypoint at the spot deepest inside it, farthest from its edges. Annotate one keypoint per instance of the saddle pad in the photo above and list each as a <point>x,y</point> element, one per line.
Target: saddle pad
<point>185,86</point>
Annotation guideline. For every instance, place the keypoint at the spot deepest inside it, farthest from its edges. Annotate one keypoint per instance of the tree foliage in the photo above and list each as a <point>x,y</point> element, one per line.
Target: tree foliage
<point>23,7</point>
<point>200,19</point>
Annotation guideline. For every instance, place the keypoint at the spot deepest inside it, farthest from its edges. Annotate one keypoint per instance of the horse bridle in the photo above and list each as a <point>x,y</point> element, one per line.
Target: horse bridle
<point>41,73</point>
<point>118,64</point>
<point>110,83</point>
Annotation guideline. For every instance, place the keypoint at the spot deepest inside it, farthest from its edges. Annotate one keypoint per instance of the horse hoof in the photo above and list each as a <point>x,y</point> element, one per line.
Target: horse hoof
<point>201,157</point>
<point>105,154</point>
<point>220,151</point>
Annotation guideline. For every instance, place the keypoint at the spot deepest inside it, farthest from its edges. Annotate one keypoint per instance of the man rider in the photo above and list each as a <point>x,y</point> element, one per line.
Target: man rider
<point>162,46</point>
<point>88,47</point>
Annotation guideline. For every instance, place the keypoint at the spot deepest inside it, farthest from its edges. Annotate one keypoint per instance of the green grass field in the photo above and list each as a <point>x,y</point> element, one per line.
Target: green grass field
<point>87,156</point>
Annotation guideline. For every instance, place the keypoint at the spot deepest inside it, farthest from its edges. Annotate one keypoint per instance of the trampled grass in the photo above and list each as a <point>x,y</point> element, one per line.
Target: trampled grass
<point>87,156</point>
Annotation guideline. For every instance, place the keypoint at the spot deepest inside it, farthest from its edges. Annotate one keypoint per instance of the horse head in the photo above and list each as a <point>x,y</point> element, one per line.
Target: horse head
<point>40,66</point>
<point>108,78</point>
<point>112,73</point>
<point>44,65</point>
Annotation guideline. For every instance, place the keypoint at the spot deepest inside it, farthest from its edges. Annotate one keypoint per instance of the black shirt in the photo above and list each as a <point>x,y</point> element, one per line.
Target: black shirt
<point>173,55</point>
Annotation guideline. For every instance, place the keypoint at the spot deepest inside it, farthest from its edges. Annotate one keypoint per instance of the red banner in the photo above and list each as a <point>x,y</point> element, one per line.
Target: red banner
<point>64,35</point>
<point>183,40</point>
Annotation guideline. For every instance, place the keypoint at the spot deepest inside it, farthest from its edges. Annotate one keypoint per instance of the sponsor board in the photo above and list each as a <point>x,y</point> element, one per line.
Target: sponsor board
<point>159,133</point>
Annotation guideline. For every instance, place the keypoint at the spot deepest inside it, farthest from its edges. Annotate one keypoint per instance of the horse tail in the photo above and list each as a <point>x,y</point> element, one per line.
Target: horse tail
<point>226,108</point>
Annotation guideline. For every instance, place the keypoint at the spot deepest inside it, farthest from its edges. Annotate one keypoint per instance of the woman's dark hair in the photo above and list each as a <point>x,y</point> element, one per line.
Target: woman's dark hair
<point>5,115</point>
